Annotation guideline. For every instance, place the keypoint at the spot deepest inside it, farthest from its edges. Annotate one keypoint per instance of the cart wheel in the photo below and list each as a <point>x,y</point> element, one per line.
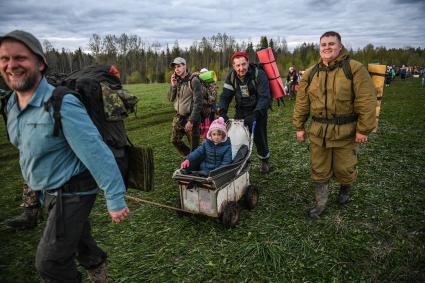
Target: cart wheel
<point>230,215</point>
<point>178,205</point>
<point>251,197</point>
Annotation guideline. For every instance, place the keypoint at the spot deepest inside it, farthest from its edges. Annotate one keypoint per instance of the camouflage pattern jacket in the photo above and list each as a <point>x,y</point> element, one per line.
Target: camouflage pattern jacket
<point>187,98</point>
<point>331,95</point>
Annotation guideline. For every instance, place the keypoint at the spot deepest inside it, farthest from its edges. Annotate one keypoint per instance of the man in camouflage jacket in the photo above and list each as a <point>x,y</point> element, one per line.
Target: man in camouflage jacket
<point>343,114</point>
<point>186,93</point>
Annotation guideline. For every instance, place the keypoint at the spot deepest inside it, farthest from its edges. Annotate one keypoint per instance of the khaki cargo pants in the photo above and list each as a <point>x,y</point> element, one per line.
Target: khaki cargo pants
<point>338,162</point>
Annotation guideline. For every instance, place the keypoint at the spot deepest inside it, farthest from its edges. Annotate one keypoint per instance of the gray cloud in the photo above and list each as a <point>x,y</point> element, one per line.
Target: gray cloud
<point>70,24</point>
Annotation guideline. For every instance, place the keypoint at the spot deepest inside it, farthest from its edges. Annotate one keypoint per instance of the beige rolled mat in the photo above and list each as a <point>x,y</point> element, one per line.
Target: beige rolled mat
<point>377,73</point>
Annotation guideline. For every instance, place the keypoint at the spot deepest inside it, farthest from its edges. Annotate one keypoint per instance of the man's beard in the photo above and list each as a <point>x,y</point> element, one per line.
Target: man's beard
<point>26,84</point>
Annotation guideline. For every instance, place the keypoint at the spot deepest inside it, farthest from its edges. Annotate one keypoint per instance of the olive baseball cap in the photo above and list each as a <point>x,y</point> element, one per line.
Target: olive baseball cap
<point>29,40</point>
<point>178,60</point>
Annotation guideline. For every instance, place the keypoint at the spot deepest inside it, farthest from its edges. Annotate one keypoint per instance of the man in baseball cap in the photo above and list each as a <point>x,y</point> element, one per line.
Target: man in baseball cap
<point>186,94</point>
<point>177,61</point>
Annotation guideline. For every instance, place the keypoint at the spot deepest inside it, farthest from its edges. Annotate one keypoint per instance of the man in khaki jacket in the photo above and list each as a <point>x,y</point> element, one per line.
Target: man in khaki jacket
<point>186,93</point>
<point>339,95</point>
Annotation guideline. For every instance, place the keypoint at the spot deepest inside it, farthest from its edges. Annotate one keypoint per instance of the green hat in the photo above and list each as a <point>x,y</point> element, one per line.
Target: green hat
<point>29,40</point>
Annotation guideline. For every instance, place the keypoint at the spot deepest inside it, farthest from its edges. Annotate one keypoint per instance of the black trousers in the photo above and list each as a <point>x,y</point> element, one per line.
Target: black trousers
<point>55,258</point>
<point>260,137</point>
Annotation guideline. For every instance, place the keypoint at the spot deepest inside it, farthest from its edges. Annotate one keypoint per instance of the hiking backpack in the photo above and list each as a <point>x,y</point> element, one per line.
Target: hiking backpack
<point>209,95</point>
<point>99,88</point>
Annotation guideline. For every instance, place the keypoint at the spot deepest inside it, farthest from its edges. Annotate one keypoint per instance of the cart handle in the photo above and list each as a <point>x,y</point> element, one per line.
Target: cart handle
<point>154,203</point>
<point>251,142</point>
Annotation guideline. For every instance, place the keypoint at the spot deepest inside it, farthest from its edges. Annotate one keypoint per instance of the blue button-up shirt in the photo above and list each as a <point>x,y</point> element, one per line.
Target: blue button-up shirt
<point>47,162</point>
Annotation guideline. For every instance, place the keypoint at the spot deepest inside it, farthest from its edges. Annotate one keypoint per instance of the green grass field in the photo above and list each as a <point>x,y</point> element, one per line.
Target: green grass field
<point>378,237</point>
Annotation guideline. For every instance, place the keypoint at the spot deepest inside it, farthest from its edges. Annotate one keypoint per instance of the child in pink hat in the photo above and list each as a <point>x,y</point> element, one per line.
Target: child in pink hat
<point>214,152</point>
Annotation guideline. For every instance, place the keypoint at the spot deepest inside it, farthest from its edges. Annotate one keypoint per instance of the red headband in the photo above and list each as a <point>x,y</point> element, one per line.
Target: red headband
<point>239,54</point>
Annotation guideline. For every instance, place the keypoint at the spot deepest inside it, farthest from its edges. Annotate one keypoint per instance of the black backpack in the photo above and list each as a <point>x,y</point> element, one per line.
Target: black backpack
<point>99,88</point>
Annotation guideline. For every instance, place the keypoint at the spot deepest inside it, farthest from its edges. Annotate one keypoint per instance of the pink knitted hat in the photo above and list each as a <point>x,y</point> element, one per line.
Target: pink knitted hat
<point>218,124</point>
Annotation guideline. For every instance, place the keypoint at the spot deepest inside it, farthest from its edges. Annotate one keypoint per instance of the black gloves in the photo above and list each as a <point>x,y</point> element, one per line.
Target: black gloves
<point>249,119</point>
<point>254,116</point>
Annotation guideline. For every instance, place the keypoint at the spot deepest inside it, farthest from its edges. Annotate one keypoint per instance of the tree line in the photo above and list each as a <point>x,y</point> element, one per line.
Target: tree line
<point>140,61</point>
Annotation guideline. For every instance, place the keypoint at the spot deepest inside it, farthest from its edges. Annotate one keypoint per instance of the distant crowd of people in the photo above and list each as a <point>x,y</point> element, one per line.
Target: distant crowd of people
<point>392,72</point>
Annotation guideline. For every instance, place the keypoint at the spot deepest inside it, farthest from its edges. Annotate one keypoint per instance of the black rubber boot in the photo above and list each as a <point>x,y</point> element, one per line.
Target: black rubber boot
<point>265,168</point>
<point>344,194</point>
<point>183,149</point>
<point>27,220</point>
<point>321,193</point>
<point>98,274</point>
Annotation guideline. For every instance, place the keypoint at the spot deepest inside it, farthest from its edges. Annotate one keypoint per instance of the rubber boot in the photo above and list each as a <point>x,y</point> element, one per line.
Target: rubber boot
<point>344,194</point>
<point>265,168</point>
<point>27,220</point>
<point>321,193</point>
<point>98,274</point>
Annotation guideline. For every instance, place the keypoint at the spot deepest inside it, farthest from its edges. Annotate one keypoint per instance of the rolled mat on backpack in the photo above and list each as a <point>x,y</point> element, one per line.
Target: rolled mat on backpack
<point>377,73</point>
<point>140,168</point>
<point>268,61</point>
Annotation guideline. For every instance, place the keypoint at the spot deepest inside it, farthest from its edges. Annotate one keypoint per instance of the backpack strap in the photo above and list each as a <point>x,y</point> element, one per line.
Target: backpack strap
<point>191,77</point>
<point>314,70</point>
<point>348,74</point>
<point>255,80</point>
<point>56,101</point>
<point>346,68</point>
<point>233,79</point>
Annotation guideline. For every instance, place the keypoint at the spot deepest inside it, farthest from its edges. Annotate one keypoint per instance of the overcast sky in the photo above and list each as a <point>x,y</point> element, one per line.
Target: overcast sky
<point>70,24</point>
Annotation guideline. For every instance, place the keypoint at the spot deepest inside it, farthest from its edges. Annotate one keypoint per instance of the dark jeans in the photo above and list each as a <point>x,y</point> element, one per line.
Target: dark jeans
<point>55,258</point>
<point>292,91</point>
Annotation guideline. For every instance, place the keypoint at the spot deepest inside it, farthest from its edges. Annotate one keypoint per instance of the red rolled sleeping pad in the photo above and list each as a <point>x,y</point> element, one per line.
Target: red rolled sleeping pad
<point>268,61</point>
